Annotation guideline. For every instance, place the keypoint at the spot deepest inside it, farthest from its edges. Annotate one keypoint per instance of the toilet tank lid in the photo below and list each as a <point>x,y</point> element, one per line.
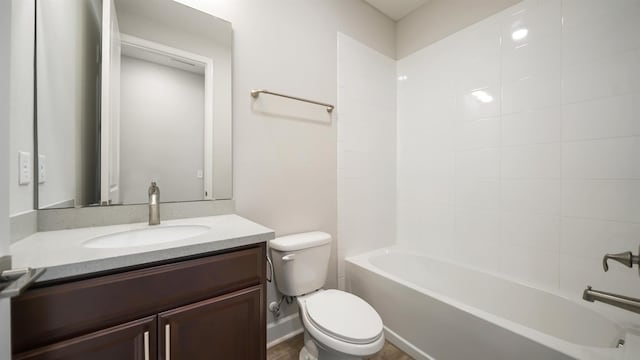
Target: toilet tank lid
<point>300,241</point>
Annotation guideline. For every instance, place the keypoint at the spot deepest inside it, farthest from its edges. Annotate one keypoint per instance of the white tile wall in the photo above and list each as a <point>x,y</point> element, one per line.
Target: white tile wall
<point>366,149</point>
<point>543,178</point>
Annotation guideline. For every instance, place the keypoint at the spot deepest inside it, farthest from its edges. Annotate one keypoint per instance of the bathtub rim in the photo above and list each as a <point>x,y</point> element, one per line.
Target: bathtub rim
<point>574,350</point>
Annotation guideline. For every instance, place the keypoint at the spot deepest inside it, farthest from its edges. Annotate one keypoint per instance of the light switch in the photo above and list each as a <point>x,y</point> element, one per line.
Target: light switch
<point>42,169</point>
<point>199,174</point>
<point>24,162</point>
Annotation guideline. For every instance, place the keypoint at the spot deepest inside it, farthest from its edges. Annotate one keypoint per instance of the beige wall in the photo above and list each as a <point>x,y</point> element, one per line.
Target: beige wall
<point>68,38</point>
<point>440,18</point>
<point>285,154</point>
<point>21,100</point>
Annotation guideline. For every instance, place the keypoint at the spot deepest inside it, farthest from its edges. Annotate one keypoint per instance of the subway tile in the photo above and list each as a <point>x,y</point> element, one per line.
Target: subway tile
<point>531,231</point>
<point>480,133</point>
<point>433,191</point>
<point>542,179</point>
<point>617,158</point>
<point>477,193</point>
<point>477,225</point>
<point>594,28</point>
<point>533,267</point>
<point>542,19</point>
<point>541,57</point>
<point>591,239</point>
<point>617,200</point>
<point>531,127</point>
<point>479,103</point>
<point>477,231</point>
<point>481,163</point>
<point>427,228</point>
<point>607,117</point>
<point>432,164</point>
<point>535,196</point>
<point>531,92</point>
<point>599,78</point>
<point>532,161</point>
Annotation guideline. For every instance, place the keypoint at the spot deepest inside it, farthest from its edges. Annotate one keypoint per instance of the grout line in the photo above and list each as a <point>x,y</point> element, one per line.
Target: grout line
<point>562,183</point>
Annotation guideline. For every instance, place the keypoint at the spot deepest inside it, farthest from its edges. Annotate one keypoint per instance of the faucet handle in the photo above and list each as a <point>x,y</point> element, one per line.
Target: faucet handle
<point>626,258</point>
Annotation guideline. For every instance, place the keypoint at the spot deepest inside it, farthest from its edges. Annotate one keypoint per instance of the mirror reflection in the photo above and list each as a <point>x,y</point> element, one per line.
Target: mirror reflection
<point>130,92</point>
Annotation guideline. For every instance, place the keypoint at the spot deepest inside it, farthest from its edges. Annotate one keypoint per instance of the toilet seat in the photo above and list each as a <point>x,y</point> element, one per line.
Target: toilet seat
<point>334,334</point>
<point>344,316</point>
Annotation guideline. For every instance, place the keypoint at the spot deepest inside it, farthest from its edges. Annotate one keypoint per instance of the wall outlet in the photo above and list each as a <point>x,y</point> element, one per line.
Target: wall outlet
<point>24,162</point>
<point>42,169</point>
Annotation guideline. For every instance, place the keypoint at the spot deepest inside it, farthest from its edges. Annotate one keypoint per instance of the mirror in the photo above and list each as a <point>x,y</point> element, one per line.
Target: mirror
<point>130,92</point>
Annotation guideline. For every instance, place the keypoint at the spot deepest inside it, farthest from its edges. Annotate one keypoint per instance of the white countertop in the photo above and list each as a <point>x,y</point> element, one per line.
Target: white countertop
<point>62,254</point>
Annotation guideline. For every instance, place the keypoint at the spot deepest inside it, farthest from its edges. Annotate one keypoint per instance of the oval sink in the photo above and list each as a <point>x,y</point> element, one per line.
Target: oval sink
<point>147,236</point>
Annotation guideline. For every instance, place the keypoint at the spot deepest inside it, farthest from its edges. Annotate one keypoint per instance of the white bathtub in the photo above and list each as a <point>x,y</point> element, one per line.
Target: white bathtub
<point>438,310</point>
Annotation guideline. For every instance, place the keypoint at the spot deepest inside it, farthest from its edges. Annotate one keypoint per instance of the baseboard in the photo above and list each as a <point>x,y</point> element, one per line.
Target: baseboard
<point>405,346</point>
<point>284,329</point>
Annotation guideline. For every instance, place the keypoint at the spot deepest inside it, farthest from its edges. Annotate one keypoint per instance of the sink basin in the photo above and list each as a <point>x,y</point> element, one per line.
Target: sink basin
<point>146,236</point>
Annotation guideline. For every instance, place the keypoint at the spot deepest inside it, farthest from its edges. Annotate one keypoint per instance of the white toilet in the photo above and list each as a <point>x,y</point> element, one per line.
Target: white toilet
<point>337,325</point>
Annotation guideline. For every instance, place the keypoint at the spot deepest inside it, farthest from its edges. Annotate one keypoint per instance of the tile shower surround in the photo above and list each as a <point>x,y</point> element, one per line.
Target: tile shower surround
<point>519,150</point>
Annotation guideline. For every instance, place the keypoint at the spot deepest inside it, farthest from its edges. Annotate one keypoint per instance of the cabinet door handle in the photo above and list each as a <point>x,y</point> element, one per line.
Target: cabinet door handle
<point>167,342</point>
<point>146,345</point>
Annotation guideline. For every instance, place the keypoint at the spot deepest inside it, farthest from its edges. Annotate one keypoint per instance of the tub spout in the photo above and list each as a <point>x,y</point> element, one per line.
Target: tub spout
<point>621,301</point>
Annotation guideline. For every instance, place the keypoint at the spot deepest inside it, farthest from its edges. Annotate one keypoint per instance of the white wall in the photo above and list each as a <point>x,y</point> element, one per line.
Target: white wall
<point>285,168</point>
<point>5,47</point>
<point>438,19</point>
<point>161,131</point>
<point>366,150</point>
<point>68,67</point>
<point>542,181</point>
<point>21,103</point>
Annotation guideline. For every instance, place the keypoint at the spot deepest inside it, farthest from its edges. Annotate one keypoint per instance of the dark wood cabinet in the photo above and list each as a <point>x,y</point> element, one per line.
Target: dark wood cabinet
<point>134,340</point>
<point>211,307</point>
<point>218,328</point>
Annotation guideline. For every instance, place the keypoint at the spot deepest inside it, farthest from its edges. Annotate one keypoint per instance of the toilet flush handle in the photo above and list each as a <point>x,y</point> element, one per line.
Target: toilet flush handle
<point>289,257</point>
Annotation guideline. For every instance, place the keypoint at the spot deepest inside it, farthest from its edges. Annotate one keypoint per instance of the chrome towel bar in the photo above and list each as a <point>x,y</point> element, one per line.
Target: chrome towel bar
<point>255,93</point>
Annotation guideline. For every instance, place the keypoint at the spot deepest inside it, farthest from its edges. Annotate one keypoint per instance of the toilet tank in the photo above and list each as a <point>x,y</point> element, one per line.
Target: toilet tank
<point>301,262</point>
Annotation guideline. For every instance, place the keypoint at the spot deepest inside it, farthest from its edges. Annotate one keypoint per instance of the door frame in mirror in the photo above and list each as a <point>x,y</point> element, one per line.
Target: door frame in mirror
<point>208,63</point>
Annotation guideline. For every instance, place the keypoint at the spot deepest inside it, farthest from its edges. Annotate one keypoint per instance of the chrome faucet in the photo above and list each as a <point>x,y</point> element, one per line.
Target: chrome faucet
<point>621,301</point>
<point>624,302</point>
<point>154,204</point>
<point>626,258</point>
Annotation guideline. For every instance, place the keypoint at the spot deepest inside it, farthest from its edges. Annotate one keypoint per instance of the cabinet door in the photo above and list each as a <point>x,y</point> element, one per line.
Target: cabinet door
<point>229,327</point>
<point>136,340</point>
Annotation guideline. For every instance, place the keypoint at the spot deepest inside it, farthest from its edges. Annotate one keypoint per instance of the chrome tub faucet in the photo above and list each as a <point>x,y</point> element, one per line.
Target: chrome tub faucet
<point>621,301</point>
<point>154,204</point>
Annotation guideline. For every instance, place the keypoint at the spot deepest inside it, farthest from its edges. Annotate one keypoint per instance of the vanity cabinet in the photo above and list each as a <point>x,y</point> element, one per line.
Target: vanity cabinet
<point>133,340</point>
<point>211,307</point>
<point>229,320</point>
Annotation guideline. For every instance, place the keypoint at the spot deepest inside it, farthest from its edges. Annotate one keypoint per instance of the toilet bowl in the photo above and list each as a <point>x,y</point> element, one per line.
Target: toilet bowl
<point>340,326</point>
<point>337,325</point>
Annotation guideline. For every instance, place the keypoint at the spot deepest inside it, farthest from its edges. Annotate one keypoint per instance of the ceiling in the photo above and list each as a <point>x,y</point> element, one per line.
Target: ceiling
<point>396,9</point>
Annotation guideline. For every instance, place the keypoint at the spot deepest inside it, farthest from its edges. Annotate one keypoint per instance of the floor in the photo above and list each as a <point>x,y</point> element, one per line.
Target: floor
<point>289,350</point>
